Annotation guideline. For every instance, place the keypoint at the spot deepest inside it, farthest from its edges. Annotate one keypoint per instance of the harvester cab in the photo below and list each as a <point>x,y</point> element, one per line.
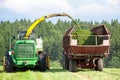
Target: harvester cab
<point>21,35</point>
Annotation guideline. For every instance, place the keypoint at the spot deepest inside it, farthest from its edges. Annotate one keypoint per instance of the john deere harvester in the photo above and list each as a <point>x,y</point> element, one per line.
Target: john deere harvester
<point>27,51</point>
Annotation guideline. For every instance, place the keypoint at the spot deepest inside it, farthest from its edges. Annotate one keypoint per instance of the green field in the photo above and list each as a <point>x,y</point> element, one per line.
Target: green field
<point>57,73</point>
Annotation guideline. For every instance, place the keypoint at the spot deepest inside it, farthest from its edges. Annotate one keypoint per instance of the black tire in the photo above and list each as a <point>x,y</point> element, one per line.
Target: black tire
<point>66,63</point>
<point>99,65</point>
<point>63,61</point>
<point>8,63</point>
<point>42,63</point>
<point>9,66</point>
<point>72,65</point>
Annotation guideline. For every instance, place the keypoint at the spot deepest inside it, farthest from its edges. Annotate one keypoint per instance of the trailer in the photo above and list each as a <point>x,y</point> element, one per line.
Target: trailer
<point>83,55</point>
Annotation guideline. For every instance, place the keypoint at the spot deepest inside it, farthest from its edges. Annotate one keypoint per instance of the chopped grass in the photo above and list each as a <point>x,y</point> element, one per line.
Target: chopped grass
<point>57,73</point>
<point>85,37</point>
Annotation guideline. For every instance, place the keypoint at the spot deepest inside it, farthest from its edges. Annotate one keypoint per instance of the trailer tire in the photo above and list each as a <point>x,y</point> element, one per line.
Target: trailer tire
<point>99,65</point>
<point>66,63</point>
<point>72,65</point>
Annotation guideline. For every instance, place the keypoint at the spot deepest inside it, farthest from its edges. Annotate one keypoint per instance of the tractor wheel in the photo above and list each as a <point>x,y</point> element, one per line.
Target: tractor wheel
<point>72,65</point>
<point>7,66</point>
<point>4,63</point>
<point>42,63</point>
<point>99,65</point>
<point>66,63</point>
<point>48,62</point>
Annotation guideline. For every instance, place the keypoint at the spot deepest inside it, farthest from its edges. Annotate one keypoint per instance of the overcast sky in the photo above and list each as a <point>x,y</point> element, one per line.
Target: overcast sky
<point>86,10</point>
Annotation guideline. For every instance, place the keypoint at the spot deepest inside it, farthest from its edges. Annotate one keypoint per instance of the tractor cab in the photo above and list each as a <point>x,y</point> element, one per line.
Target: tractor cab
<point>21,35</point>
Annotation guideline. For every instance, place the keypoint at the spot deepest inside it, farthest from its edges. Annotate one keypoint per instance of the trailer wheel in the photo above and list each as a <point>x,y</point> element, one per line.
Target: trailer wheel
<point>66,63</point>
<point>72,65</point>
<point>99,65</point>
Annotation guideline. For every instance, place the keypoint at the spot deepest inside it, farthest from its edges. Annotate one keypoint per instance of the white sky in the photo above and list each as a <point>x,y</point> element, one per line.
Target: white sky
<point>86,10</point>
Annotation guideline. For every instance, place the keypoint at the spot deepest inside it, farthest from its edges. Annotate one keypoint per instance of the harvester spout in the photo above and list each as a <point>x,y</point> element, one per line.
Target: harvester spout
<point>29,31</point>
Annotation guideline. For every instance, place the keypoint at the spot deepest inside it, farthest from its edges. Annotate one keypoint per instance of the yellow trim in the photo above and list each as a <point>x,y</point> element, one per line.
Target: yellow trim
<point>29,31</point>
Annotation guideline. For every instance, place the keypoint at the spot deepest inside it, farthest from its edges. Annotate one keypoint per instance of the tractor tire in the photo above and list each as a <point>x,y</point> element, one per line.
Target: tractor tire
<point>99,65</point>
<point>66,63</point>
<point>4,63</point>
<point>48,62</point>
<point>7,65</point>
<point>72,65</point>
<point>42,63</point>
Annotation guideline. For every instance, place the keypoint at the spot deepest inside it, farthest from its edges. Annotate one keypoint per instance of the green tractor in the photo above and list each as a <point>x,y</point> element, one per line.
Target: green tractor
<point>27,51</point>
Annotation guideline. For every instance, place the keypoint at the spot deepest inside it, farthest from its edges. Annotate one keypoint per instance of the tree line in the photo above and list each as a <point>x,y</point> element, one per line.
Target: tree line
<point>52,35</point>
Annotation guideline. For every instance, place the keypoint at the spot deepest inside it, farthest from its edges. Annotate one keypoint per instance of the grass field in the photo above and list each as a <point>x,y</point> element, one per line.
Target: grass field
<point>57,73</point>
